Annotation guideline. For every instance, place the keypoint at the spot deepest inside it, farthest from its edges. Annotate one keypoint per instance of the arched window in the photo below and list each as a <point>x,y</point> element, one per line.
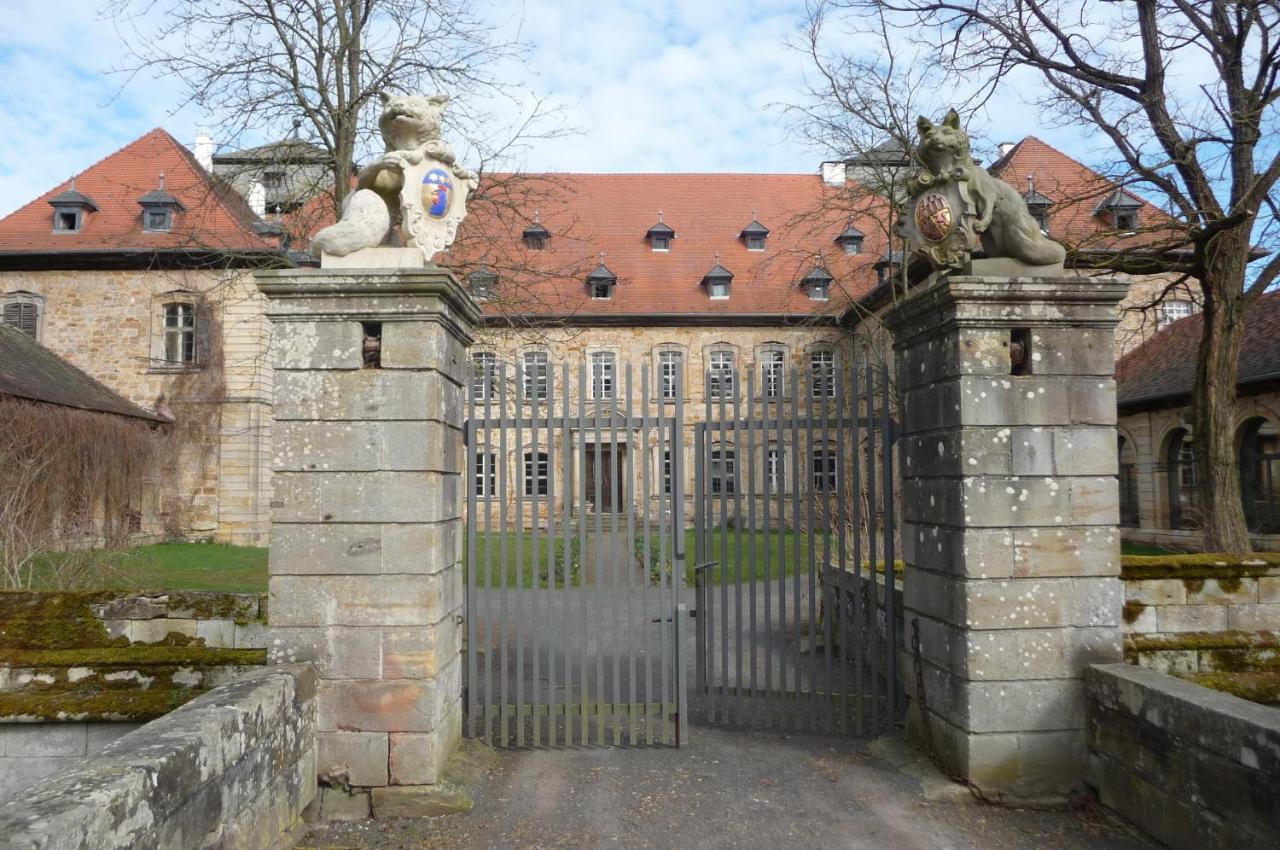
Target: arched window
<point>22,310</point>
<point>822,372</point>
<point>1180,479</point>
<point>1260,475</point>
<point>773,365</point>
<point>720,373</point>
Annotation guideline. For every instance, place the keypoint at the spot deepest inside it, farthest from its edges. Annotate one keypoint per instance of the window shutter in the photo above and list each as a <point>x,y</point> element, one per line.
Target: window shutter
<point>204,333</point>
<point>21,315</point>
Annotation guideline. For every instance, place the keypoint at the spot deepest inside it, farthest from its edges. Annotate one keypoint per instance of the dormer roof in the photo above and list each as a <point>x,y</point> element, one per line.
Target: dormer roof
<point>717,273</point>
<point>755,228</point>
<point>602,274</point>
<point>1118,200</point>
<point>849,234</point>
<point>72,197</point>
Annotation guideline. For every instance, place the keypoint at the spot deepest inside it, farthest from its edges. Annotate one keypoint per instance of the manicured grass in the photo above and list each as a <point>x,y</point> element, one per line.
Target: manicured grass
<point>1145,549</point>
<point>182,566</point>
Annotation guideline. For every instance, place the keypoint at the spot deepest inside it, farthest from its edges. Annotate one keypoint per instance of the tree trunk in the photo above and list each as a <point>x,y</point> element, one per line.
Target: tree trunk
<point>1213,400</point>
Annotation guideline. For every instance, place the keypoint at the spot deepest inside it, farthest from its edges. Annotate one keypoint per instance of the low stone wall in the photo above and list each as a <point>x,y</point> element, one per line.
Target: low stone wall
<point>1192,767</point>
<point>1200,593</point>
<point>232,768</point>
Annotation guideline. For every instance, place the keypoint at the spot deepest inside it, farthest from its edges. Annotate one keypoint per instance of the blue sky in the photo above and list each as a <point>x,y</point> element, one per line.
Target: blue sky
<point>649,85</point>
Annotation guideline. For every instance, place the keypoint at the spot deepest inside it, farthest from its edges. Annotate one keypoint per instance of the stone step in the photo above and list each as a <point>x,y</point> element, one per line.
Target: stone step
<point>132,668</point>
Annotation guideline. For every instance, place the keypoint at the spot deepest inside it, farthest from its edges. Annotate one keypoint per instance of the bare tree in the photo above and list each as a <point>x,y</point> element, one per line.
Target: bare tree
<point>1210,149</point>
<point>260,65</point>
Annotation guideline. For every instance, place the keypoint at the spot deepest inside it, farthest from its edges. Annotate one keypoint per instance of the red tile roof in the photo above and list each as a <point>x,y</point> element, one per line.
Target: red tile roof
<point>215,218</point>
<point>1076,191</point>
<point>591,214</point>
<point>1163,368</point>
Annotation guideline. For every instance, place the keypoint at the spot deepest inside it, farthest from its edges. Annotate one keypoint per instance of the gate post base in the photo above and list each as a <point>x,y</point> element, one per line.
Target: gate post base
<point>365,557</point>
<point>1010,512</point>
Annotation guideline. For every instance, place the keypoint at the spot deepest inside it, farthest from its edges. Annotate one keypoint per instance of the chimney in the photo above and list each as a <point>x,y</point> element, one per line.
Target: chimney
<point>833,174</point>
<point>257,198</point>
<point>1005,147</point>
<point>204,150</point>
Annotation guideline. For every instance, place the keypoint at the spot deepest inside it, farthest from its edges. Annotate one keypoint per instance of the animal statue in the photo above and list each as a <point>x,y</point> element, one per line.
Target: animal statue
<point>410,126</point>
<point>1004,225</point>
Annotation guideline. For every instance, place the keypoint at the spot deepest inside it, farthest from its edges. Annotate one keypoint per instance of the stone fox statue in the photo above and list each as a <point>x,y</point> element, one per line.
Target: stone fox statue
<point>410,126</point>
<point>1006,228</point>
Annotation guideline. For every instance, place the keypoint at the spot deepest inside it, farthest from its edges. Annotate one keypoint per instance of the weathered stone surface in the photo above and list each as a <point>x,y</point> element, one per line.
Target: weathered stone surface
<point>417,758</point>
<point>364,497</point>
<point>1253,618</point>
<point>317,345</point>
<point>421,446</point>
<point>1161,591</point>
<point>335,804</point>
<point>363,600</point>
<point>363,756</point>
<point>389,705</point>
<point>364,548</point>
<point>419,801</point>
<point>1191,618</point>
<point>367,394</point>
<point>424,345</point>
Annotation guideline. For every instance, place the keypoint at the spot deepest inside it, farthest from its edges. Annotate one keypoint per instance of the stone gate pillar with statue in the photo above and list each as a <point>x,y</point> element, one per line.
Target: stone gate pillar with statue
<point>369,357</point>
<point>1010,504</point>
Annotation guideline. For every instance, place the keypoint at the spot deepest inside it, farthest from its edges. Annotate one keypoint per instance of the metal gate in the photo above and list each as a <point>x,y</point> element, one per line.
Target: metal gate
<point>798,616</point>
<point>574,556</point>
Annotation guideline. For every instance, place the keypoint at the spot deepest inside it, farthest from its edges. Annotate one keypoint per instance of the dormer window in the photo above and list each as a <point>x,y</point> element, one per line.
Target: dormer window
<point>601,282</point>
<point>888,266</point>
<point>660,235</point>
<point>69,209</point>
<point>754,235</point>
<point>818,284</point>
<point>1037,204</point>
<point>850,240</point>
<point>717,281</point>
<point>1122,208</point>
<point>483,283</point>
<point>158,209</point>
<point>536,236</point>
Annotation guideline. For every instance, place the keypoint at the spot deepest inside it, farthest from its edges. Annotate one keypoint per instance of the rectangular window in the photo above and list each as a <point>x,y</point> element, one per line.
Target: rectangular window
<point>66,221</point>
<point>719,289</point>
<point>822,374</point>
<point>537,481</point>
<point>484,376</point>
<point>660,243</point>
<point>666,471</point>
<point>820,290</point>
<point>603,364</point>
<point>755,243</point>
<point>535,371</point>
<point>156,220</point>
<point>669,366</point>
<point>485,476</point>
<point>23,315</point>
<point>772,363</point>
<point>773,463</point>
<point>720,375</point>
<point>601,291</point>
<point>180,333</point>
<point>724,471</point>
<point>1172,311</point>
<point>824,470</point>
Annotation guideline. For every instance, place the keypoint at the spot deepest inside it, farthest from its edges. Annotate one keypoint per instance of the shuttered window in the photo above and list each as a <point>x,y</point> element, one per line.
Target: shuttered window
<point>23,315</point>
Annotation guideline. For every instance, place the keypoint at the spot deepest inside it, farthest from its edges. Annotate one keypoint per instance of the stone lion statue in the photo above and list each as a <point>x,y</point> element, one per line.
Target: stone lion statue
<point>1004,225</point>
<point>415,154</point>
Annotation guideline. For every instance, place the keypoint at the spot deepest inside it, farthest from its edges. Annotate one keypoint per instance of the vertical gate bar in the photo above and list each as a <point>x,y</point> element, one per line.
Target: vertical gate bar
<point>842,577</point>
<point>700,540</point>
<point>646,531</point>
<point>890,617</point>
<point>753,635</point>
<point>517,538</point>
<point>767,538</point>
<point>678,556</point>
<point>739,680</point>
<point>620,557</point>
<point>490,601</point>
<point>598,646</point>
<point>548,626</point>
<point>725,483</point>
<point>708,540</point>
<point>784,476</point>
<point>812,560</point>
<point>821,389</point>
<point>504,617</point>
<point>473,565</point>
<point>873,630</point>
<point>666,581</point>
<point>658,719</point>
<point>584,715</point>
<point>797,704</point>
<point>859,619</point>
<point>538,449</point>
<point>566,488</point>
<point>628,555</point>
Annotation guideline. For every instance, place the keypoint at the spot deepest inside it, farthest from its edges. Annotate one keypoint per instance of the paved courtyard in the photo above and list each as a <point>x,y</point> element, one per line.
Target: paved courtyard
<point>730,790</point>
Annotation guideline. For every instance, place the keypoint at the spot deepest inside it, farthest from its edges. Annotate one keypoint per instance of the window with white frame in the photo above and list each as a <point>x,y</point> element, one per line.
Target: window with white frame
<point>772,363</point>
<point>724,470</point>
<point>666,471</point>
<point>670,365</point>
<point>774,462</point>
<point>604,366</point>
<point>537,474</point>
<point>484,376</point>
<point>535,371</point>
<point>822,373</point>
<point>719,288</point>
<point>180,333</point>
<point>720,374</point>
<point>21,310</point>
<point>1175,309</point>
<point>824,469</point>
<point>485,475</point>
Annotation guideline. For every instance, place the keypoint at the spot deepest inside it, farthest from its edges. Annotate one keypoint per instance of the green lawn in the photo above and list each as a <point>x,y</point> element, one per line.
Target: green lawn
<point>180,566</point>
<point>1145,549</point>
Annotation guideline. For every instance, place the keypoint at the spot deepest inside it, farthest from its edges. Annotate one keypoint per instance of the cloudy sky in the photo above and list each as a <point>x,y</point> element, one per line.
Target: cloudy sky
<point>649,85</point>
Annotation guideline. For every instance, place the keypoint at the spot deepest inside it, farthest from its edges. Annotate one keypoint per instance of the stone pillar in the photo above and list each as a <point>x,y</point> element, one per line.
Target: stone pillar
<point>366,542</point>
<point>1010,513</point>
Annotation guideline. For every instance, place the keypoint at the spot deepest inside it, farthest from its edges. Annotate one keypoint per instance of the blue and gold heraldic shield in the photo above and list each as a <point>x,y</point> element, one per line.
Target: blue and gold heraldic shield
<point>437,192</point>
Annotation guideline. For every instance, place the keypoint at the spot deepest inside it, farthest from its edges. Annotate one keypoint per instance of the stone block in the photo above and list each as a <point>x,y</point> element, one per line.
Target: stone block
<point>1191,618</point>
<point>1095,501</point>
<point>1092,402</point>
<point>417,758</point>
<point>1032,451</point>
<point>1145,622</point>
<point>329,446</point>
<point>44,740</point>
<point>1161,591</point>
<point>312,345</point>
<point>252,636</point>
<point>405,705</point>
<point>362,755</point>
<point>155,631</point>
<point>1253,618</point>
<point>132,608</point>
<point>1024,706</point>
<point>424,345</point>
<point>1269,589</point>
<point>337,652</point>
<point>1085,450</point>
<point>1072,351</point>
<point>365,549</point>
<point>964,451</point>
<point>219,633</point>
<point>419,801</point>
<point>367,394</point>
<point>335,804</point>
<point>1066,551</point>
<point>98,735</point>
<point>1241,591</point>
<point>362,497</point>
<point>1171,661</point>
<point>420,653</point>
<point>375,600</point>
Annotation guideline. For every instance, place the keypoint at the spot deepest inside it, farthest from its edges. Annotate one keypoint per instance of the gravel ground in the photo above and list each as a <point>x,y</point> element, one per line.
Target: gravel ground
<point>728,789</point>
